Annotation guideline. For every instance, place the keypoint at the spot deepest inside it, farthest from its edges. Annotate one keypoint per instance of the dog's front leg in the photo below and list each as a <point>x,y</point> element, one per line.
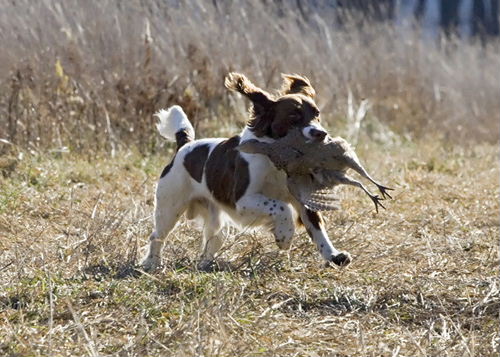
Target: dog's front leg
<point>316,229</point>
<point>277,211</point>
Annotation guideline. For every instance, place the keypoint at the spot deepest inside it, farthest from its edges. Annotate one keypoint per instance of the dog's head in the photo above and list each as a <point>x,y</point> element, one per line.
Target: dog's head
<point>274,116</point>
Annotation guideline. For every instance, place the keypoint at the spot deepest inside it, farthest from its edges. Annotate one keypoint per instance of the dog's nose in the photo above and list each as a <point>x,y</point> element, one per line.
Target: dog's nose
<point>317,134</point>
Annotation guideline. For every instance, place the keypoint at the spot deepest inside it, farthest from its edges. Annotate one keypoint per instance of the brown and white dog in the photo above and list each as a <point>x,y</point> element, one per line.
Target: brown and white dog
<point>212,179</point>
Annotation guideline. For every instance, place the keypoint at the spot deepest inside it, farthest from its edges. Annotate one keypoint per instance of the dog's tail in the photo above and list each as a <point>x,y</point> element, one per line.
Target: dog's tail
<point>175,125</point>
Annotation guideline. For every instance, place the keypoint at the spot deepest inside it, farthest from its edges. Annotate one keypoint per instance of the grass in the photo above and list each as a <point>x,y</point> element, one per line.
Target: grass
<point>424,279</point>
<point>80,156</point>
<point>89,76</point>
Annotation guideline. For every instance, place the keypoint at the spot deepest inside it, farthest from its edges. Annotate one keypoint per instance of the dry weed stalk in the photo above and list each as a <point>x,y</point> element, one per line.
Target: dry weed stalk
<point>425,278</point>
<point>88,81</point>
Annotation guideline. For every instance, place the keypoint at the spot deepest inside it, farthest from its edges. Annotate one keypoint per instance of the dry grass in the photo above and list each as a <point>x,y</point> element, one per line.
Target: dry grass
<point>88,76</point>
<point>424,279</point>
<point>78,84</point>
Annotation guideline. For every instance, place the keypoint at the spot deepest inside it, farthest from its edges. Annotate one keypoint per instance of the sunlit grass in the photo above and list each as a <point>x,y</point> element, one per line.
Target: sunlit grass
<point>80,157</point>
<point>423,281</point>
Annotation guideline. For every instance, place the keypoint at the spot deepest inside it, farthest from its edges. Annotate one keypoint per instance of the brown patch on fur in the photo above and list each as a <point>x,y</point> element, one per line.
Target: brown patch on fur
<point>293,83</point>
<point>227,172</point>
<point>238,82</point>
<point>182,137</point>
<point>293,110</point>
<point>273,117</point>
<point>194,161</point>
<point>262,102</point>
<point>167,168</point>
<point>315,218</point>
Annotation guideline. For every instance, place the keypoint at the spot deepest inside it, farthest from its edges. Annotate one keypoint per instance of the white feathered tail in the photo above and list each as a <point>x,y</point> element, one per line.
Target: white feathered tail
<point>174,121</point>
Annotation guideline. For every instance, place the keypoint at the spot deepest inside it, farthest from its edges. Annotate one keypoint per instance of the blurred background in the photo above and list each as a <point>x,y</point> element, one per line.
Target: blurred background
<point>87,76</point>
<point>413,84</point>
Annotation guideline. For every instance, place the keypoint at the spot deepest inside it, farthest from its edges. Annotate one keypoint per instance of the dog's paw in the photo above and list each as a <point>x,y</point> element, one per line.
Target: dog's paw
<point>283,242</point>
<point>342,259</point>
<point>150,263</point>
<point>207,266</point>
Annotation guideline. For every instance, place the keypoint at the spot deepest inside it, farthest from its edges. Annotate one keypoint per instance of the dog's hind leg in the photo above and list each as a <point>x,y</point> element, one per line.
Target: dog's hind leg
<point>212,237</point>
<point>170,205</point>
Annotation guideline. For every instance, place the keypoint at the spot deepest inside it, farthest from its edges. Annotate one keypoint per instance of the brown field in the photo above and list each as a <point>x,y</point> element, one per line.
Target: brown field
<point>79,159</point>
<point>424,280</point>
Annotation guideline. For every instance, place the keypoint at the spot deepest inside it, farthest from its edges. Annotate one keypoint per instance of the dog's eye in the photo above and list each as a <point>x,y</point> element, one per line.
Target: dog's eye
<point>294,117</point>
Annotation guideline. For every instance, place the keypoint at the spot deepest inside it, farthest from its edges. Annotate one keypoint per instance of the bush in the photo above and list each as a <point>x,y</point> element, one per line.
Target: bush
<point>89,76</point>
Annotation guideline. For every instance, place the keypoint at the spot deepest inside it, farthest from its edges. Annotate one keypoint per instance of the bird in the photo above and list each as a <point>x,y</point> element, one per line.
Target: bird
<point>315,168</point>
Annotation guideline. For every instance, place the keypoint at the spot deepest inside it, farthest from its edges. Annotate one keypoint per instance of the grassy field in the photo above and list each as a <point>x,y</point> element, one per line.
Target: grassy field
<point>80,157</point>
<point>424,280</point>
<point>89,76</point>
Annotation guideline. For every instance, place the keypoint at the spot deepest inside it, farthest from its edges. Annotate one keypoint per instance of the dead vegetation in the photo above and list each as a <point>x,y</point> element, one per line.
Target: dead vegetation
<point>89,76</point>
<point>79,161</point>
<point>423,282</point>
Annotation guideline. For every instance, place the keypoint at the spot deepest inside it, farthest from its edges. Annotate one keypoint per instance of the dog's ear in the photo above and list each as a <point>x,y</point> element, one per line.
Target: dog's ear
<point>261,100</point>
<point>293,83</point>
<point>261,113</point>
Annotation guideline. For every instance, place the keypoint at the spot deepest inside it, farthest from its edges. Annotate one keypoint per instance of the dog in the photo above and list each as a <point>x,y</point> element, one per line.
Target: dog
<point>211,179</point>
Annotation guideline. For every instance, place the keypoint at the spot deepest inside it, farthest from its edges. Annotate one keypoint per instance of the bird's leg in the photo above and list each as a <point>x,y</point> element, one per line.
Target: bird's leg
<point>342,178</point>
<point>354,164</point>
<point>375,198</point>
<point>383,190</point>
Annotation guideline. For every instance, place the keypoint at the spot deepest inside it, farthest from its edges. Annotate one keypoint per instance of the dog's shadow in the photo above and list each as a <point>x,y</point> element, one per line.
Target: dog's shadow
<point>101,271</point>
<point>248,265</point>
<point>337,304</point>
